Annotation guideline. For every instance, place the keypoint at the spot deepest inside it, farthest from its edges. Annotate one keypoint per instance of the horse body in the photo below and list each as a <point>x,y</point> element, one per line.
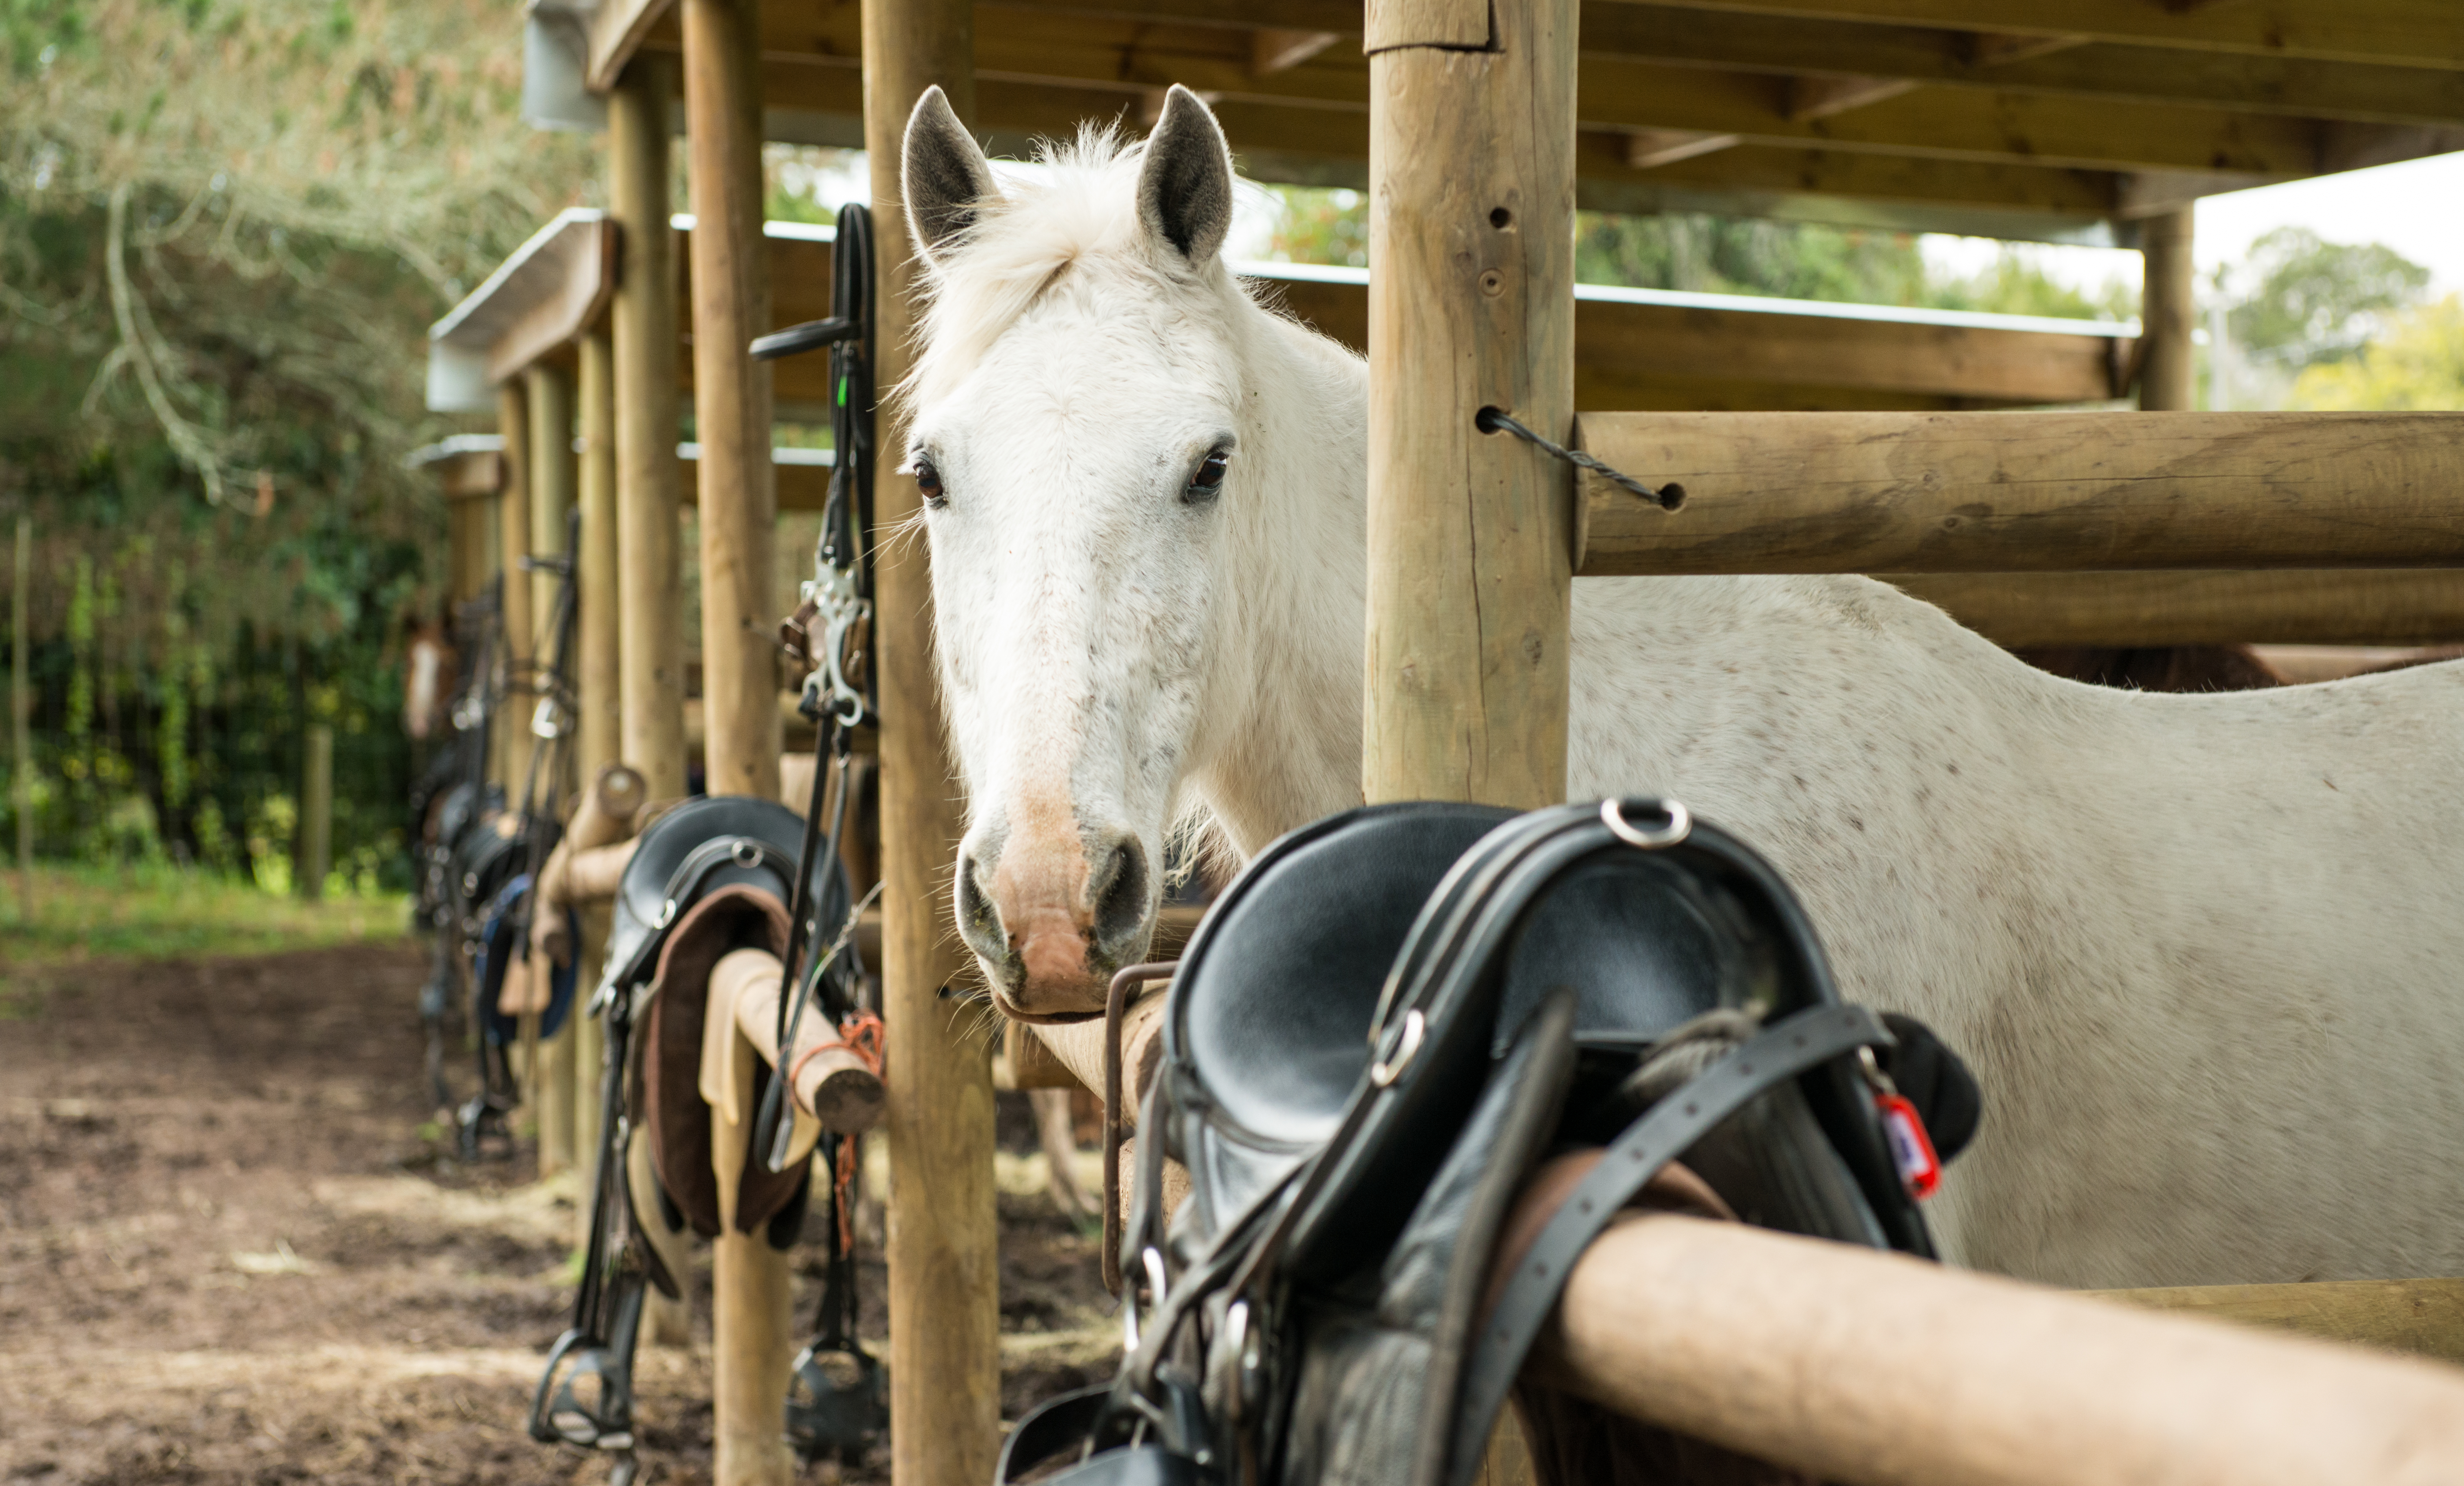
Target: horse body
<point>2200,949</point>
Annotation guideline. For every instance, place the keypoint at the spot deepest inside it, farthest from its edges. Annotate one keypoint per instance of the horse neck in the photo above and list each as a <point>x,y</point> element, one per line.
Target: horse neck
<point>1287,747</point>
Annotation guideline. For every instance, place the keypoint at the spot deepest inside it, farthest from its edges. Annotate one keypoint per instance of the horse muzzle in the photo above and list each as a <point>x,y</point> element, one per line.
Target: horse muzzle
<point>1052,922</point>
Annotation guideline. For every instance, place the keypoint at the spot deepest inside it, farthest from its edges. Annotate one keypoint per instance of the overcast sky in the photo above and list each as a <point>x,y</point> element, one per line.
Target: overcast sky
<point>2415,207</point>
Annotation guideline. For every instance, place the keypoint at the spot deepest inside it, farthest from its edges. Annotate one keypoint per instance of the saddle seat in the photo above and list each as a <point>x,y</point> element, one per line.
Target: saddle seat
<point>1387,1024</point>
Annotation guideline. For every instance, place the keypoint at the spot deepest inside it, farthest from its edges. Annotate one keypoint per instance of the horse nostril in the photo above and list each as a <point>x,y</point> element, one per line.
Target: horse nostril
<point>1121,892</point>
<point>977,918</point>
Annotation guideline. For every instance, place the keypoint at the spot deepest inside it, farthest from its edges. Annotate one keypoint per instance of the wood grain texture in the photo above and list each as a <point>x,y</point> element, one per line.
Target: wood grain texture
<point>752,1342</point>
<point>2367,607</point>
<point>2423,1317</point>
<point>583,256</point>
<point>508,730</point>
<point>731,295</point>
<point>598,727</point>
<point>2409,33</point>
<point>2168,311</point>
<point>944,1271</point>
<point>1470,305</point>
<point>617,30</point>
<point>1868,1368</point>
<point>2010,492</point>
<point>752,1297</point>
<point>642,324</point>
<point>556,477</point>
<point>1455,24</point>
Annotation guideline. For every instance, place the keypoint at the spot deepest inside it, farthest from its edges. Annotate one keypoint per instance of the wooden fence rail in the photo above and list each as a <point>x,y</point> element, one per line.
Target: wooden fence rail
<point>2022,493</point>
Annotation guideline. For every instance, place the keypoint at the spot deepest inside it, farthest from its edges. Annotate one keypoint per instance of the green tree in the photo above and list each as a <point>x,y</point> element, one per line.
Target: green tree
<point>1729,255</point>
<point>2416,366</point>
<point>2315,301</point>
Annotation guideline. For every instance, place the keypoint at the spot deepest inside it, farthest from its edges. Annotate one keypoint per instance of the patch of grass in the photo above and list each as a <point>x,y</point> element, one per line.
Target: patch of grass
<point>157,911</point>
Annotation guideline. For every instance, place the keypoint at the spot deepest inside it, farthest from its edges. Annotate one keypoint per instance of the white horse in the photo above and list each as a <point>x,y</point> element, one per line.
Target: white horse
<point>2204,952</point>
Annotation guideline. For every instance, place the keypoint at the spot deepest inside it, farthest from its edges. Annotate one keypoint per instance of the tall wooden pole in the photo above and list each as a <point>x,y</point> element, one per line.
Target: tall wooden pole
<point>554,477</point>
<point>752,1345</point>
<point>316,810</point>
<point>650,643</point>
<point>944,1278</point>
<point>641,325</point>
<point>2168,308</point>
<point>511,728</point>
<point>598,727</point>
<point>21,712</point>
<point>739,496</point>
<point>1471,199</point>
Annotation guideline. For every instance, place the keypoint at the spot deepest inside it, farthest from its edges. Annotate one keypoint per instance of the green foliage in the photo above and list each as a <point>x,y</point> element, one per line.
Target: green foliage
<point>2416,366</point>
<point>2317,301</point>
<point>224,228</point>
<point>1709,254</point>
<point>158,910</point>
<point>1313,226</point>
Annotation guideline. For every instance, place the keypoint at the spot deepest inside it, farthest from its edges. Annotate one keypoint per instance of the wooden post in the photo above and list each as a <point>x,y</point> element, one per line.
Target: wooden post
<point>1471,199</point>
<point>2168,308</point>
<point>21,712</point>
<point>651,658</point>
<point>722,53</point>
<point>944,1276</point>
<point>596,739</point>
<point>511,728</point>
<point>642,323</point>
<point>316,810</point>
<point>554,475</point>
<point>738,497</point>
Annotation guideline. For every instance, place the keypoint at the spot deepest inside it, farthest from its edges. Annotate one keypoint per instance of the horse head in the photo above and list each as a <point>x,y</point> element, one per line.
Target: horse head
<point>1097,403</point>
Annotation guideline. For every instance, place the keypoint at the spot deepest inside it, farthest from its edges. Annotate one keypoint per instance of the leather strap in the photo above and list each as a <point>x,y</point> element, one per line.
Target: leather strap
<point>1689,1112</point>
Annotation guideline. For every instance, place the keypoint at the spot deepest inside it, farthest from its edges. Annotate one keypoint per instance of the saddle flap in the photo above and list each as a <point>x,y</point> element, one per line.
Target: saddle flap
<point>732,917</point>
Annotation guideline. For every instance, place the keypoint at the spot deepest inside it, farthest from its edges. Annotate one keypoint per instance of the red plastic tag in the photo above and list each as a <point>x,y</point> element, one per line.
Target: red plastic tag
<point>1911,1148</point>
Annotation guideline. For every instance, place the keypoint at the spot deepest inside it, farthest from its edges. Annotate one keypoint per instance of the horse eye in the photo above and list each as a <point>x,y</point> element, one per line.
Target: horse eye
<point>1207,481</point>
<point>928,481</point>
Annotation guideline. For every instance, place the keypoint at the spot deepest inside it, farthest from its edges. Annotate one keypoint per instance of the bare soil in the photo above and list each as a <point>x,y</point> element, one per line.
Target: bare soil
<point>234,1248</point>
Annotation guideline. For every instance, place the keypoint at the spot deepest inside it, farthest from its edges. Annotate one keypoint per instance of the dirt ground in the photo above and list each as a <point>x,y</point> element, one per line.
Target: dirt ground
<point>234,1248</point>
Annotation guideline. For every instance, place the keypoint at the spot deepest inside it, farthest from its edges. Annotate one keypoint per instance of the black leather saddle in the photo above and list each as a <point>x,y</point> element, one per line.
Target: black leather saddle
<point>713,875</point>
<point>1385,1026</point>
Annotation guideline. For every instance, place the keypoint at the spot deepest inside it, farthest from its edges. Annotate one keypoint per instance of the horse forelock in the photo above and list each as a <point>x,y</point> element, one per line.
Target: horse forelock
<point>1079,217</point>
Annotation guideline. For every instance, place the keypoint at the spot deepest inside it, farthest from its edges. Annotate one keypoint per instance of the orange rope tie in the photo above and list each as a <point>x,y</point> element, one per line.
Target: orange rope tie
<point>862,1034</point>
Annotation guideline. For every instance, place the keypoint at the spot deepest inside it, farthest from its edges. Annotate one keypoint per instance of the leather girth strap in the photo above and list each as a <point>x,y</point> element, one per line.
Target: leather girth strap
<point>734,916</point>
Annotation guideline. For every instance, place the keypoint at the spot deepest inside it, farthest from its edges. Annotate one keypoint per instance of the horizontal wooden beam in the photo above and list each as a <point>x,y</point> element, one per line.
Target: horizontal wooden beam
<point>1868,1368</point>
<point>2365,92</point>
<point>2369,606</point>
<point>2008,493</point>
<point>618,29</point>
<point>2402,33</point>
<point>1877,115</point>
<point>582,262</point>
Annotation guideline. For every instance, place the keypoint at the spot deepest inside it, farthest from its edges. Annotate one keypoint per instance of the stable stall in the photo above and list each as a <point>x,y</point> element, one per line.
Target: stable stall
<point>2087,121</point>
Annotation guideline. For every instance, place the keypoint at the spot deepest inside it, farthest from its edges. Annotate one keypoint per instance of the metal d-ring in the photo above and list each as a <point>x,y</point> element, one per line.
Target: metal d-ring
<point>1386,1070</point>
<point>1680,824</point>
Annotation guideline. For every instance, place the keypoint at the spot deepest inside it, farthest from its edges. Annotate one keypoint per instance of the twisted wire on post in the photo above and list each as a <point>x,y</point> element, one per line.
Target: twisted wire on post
<point>1667,497</point>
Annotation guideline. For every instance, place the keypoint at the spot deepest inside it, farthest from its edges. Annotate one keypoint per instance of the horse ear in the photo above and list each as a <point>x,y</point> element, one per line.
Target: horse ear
<point>941,173</point>
<point>1185,185</point>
